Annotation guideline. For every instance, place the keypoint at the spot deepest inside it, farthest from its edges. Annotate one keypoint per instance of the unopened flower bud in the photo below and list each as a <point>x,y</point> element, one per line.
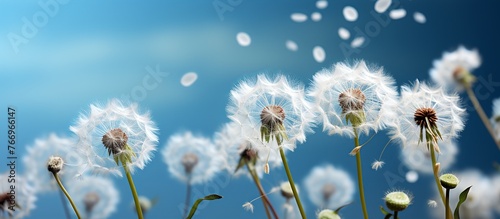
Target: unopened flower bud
<point>449,181</point>
<point>397,201</point>
<point>328,214</point>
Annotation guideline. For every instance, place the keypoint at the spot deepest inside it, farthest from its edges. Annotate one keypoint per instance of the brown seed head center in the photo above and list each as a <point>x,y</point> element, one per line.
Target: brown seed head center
<point>115,141</point>
<point>328,190</point>
<point>459,73</point>
<point>352,100</point>
<point>424,114</point>
<point>90,200</point>
<point>189,161</point>
<point>272,115</point>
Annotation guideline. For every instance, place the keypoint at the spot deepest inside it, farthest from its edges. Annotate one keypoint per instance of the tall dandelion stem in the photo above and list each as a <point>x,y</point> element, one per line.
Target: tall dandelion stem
<point>265,199</point>
<point>65,207</point>
<point>481,114</point>
<point>360,175</point>
<point>188,195</point>
<point>134,191</point>
<point>447,205</point>
<point>67,195</point>
<point>292,184</point>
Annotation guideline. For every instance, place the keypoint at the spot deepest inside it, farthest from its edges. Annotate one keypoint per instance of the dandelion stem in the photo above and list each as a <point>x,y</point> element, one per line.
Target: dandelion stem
<point>292,184</point>
<point>65,207</point>
<point>481,114</point>
<point>134,191</point>
<point>395,214</point>
<point>67,195</point>
<point>436,174</point>
<point>360,175</point>
<point>447,205</point>
<point>188,195</point>
<point>265,200</point>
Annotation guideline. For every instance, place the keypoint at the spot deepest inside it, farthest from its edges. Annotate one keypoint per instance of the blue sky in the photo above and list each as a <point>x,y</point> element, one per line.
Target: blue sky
<point>91,51</point>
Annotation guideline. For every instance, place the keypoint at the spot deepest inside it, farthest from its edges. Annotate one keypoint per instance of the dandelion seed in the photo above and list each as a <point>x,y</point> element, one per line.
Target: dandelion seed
<point>316,16</point>
<point>188,79</point>
<point>291,45</point>
<point>298,17</point>
<point>382,5</point>
<point>243,39</point>
<point>432,203</point>
<point>319,54</point>
<point>355,151</point>
<point>344,33</point>
<point>350,13</point>
<point>419,17</point>
<point>377,164</point>
<point>411,176</point>
<point>321,4</point>
<point>357,42</point>
<point>397,14</point>
<point>248,206</point>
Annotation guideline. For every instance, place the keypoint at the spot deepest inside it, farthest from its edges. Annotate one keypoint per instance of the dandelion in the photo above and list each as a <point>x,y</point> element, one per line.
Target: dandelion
<point>397,201</point>
<point>277,110</point>
<point>377,164</point>
<point>55,165</point>
<point>37,156</point>
<point>116,134</point>
<point>418,158</point>
<point>353,100</point>
<point>16,203</point>
<point>283,197</point>
<point>191,159</point>
<point>329,187</point>
<point>146,203</point>
<point>97,195</point>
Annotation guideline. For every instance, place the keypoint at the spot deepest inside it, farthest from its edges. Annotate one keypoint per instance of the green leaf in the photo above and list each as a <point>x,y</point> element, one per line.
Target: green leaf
<point>241,163</point>
<point>197,202</point>
<point>462,198</point>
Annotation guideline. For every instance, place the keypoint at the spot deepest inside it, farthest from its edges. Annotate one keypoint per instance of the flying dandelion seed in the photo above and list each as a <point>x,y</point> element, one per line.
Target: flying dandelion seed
<point>344,33</point>
<point>316,16</point>
<point>357,42</point>
<point>298,17</point>
<point>419,17</point>
<point>291,45</point>
<point>350,13</point>
<point>319,54</point>
<point>411,176</point>
<point>382,5</point>
<point>397,14</point>
<point>321,4</point>
<point>188,79</point>
<point>243,39</point>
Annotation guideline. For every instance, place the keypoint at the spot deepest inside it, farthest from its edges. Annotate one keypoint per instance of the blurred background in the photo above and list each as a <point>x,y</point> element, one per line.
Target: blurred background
<point>58,57</point>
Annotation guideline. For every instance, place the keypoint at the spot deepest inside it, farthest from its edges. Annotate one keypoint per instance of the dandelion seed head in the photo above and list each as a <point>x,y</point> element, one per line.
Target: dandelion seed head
<point>189,161</point>
<point>425,114</point>
<point>96,194</point>
<point>114,141</point>
<point>90,200</point>
<point>418,158</point>
<point>286,190</point>
<point>454,67</point>
<point>55,164</point>
<point>25,196</point>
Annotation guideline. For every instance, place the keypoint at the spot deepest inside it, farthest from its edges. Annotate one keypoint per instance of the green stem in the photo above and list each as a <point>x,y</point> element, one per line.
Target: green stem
<point>436,175</point>
<point>65,207</point>
<point>67,195</point>
<point>447,209</point>
<point>265,199</point>
<point>481,114</point>
<point>188,195</point>
<point>292,184</point>
<point>134,191</point>
<point>360,175</point>
<point>395,214</point>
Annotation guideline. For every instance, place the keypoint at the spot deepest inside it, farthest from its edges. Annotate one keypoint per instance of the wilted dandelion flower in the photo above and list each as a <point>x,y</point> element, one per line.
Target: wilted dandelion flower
<point>329,187</point>
<point>481,201</point>
<point>112,133</point>
<point>418,158</point>
<point>35,162</point>
<point>16,203</point>
<point>271,110</point>
<point>453,70</point>
<point>347,96</point>
<point>422,108</point>
<point>234,147</point>
<point>192,159</point>
<point>96,196</point>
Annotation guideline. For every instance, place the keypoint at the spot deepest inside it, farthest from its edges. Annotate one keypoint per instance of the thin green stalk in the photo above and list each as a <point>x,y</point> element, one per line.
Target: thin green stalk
<point>134,191</point>
<point>265,199</point>
<point>67,195</point>
<point>65,207</point>
<point>188,195</point>
<point>481,114</point>
<point>436,176</point>
<point>447,206</point>
<point>396,214</point>
<point>360,175</point>
<point>292,184</point>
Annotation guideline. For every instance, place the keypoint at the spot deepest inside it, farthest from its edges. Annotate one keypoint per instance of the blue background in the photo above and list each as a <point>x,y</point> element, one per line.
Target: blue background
<point>91,51</point>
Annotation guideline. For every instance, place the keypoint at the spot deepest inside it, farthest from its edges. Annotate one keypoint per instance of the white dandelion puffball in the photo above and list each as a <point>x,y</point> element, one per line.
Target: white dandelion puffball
<point>231,145</point>
<point>329,187</point>
<point>495,117</point>
<point>35,162</point>
<point>281,201</point>
<point>445,70</point>
<point>419,158</point>
<point>345,89</point>
<point>440,105</point>
<point>278,102</point>
<point>102,120</point>
<point>96,197</point>
<point>24,196</point>
<point>481,201</point>
<point>192,159</point>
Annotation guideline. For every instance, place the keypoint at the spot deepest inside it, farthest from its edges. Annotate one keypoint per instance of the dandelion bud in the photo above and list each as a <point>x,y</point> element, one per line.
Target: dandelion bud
<point>397,201</point>
<point>55,164</point>
<point>328,190</point>
<point>328,214</point>
<point>355,151</point>
<point>286,190</point>
<point>449,181</point>
<point>114,141</point>
<point>90,201</point>
<point>189,161</point>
